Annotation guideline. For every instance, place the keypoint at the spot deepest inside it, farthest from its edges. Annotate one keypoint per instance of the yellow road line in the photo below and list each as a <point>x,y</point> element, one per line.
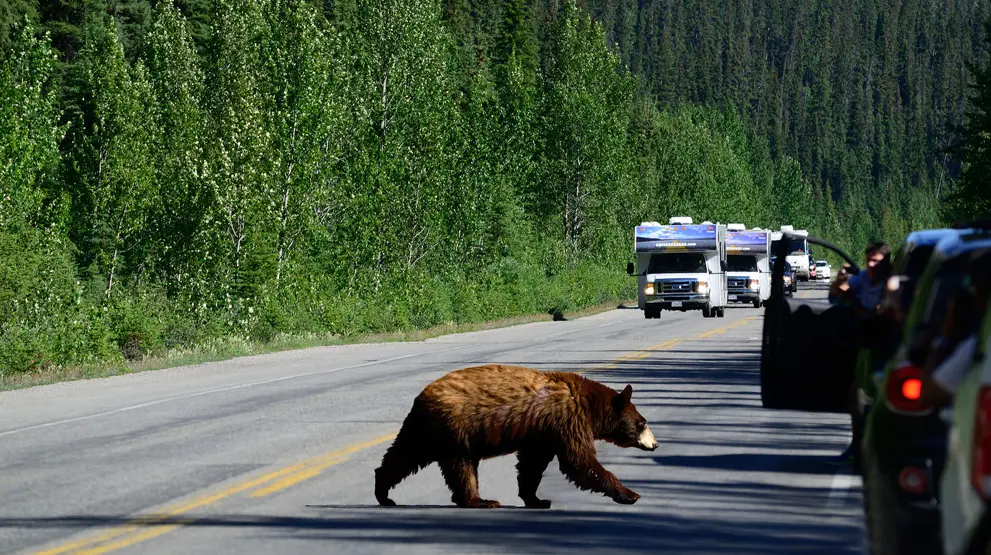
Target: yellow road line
<point>130,540</point>
<point>670,343</point>
<point>296,473</point>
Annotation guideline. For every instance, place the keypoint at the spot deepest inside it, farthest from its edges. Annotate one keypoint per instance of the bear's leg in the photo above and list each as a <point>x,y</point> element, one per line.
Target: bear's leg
<point>407,455</point>
<point>461,475</point>
<point>585,471</point>
<point>530,467</point>
<point>397,464</point>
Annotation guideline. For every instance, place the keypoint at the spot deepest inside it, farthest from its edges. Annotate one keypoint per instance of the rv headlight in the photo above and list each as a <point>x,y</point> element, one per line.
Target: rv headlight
<point>703,288</point>
<point>754,285</point>
<point>649,290</point>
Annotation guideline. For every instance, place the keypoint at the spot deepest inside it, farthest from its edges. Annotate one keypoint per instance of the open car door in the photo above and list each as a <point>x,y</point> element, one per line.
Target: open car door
<point>809,347</point>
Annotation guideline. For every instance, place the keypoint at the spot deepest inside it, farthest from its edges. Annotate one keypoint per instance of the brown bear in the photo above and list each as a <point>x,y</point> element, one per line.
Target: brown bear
<point>486,411</point>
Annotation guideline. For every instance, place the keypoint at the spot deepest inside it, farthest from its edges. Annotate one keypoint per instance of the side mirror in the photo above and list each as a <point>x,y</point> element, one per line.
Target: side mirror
<point>629,268</point>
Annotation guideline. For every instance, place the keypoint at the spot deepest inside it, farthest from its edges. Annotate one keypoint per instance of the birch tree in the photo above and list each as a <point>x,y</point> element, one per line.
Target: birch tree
<point>113,157</point>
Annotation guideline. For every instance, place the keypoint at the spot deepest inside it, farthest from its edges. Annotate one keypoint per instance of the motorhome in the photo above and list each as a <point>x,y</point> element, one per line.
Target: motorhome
<point>748,268</point>
<point>798,251</point>
<point>680,266</point>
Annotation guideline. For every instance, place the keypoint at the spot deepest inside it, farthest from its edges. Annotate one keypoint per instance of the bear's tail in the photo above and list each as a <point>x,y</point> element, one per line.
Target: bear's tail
<point>411,451</point>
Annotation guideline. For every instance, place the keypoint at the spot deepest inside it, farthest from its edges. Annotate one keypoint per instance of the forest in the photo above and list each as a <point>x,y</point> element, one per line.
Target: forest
<point>177,173</point>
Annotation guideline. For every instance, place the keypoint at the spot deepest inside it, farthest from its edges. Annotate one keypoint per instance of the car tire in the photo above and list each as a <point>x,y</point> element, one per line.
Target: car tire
<point>757,303</point>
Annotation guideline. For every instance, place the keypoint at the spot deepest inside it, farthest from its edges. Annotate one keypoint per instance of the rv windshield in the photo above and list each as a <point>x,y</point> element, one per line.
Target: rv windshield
<point>677,263</point>
<point>798,246</point>
<point>741,263</point>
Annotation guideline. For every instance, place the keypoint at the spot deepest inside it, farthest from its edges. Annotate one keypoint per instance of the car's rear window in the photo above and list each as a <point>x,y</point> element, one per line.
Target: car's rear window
<point>917,260</point>
<point>946,283</point>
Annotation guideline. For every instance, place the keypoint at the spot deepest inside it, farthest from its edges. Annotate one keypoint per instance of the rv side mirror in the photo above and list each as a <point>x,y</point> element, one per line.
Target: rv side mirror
<point>629,268</point>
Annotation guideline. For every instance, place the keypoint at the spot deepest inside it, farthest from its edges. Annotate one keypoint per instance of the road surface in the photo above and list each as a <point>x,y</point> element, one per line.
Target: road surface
<point>275,453</point>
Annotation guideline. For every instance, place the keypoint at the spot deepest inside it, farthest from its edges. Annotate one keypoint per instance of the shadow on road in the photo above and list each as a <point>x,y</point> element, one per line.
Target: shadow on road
<point>512,530</point>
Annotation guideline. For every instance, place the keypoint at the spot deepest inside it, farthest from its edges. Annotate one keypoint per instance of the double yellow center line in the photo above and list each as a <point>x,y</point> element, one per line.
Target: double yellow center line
<point>146,527</point>
<point>672,343</point>
<point>153,525</point>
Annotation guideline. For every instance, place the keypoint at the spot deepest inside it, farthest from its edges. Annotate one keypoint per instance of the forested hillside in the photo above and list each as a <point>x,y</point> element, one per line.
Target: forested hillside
<point>865,95</point>
<point>175,174</point>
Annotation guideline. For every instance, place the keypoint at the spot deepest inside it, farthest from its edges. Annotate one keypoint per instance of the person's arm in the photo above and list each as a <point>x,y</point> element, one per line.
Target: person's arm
<point>939,387</point>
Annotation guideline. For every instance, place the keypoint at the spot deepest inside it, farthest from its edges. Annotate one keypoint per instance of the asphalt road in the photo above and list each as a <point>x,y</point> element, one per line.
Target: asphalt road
<point>275,453</point>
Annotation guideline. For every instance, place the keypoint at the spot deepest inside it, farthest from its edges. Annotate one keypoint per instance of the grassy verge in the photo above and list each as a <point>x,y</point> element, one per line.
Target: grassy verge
<point>229,348</point>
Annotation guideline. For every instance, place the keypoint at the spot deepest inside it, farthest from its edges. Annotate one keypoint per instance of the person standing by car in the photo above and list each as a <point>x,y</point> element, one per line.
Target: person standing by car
<point>863,293</point>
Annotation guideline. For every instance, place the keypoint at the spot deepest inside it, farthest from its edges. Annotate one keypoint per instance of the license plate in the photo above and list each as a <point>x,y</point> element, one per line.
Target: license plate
<point>675,304</point>
<point>732,297</point>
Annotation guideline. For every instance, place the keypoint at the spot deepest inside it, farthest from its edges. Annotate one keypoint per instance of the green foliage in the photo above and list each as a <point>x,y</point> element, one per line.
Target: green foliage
<point>250,169</point>
<point>971,198</point>
<point>114,181</point>
<point>29,131</point>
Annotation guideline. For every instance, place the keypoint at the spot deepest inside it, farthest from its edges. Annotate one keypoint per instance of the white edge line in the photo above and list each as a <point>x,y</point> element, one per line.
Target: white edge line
<point>220,390</point>
<point>242,386</point>
<point>840,489</point>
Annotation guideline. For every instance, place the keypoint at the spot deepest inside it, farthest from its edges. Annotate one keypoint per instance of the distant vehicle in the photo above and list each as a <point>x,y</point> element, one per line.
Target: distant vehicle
<point>823,271</point>
<point>680,266</point>
<point>797,250</point>
<point>791,286</point>
<point>748,272</point>
<point>788,277</point>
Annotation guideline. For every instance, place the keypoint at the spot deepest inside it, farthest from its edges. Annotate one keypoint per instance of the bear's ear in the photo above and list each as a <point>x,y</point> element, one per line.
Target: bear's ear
<point>623,398</point>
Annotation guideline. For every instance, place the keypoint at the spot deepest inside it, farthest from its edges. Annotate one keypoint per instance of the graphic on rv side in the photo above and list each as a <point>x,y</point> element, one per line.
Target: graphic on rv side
<point>675,238</point>
<point>746,241</point>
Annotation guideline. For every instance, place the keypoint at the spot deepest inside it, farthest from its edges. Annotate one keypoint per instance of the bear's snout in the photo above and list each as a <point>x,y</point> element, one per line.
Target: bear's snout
<point>646,440</point>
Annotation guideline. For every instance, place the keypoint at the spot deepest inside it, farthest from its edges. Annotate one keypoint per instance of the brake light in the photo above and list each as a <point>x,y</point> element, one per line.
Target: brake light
<point>912,389</point>
<point>980,464</point>
<point>905,390</point>
<point>912,480</point>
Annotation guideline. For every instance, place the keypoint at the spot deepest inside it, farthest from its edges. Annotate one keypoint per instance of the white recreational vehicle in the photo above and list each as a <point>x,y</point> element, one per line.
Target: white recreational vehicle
<point>680,266</point>
<point>798,251</point>
<point>748,268</point>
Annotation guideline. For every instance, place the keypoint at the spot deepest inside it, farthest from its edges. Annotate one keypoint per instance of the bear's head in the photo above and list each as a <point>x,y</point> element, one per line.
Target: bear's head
<point>626,427</point>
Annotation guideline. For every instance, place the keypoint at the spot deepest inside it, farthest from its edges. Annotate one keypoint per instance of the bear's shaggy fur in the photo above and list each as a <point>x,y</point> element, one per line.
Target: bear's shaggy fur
<point>486,411</point>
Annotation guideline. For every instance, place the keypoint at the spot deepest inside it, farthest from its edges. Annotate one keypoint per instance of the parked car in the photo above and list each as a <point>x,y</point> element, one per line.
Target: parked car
<point>882,337</point>
<point>965,487</point>
<point>904,443</point>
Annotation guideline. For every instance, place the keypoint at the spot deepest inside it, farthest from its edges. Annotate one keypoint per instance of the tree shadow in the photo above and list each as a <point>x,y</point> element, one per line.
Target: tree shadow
<point>508,530</point>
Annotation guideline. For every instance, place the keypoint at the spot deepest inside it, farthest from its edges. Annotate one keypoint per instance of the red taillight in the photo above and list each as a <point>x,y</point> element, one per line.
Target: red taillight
<point>905,390</point>
<point>912,480</point>
<point>980,464</point>
<point>912,389</point>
